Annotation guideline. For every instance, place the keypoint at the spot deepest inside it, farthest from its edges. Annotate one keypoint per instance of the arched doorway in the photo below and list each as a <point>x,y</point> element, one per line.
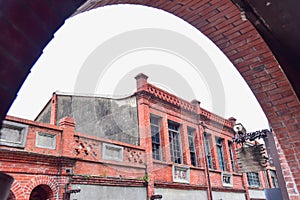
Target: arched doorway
<point>41,192</point>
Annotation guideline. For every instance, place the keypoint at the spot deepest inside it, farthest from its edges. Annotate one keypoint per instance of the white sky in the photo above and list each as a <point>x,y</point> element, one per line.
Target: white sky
<point>101,51</point>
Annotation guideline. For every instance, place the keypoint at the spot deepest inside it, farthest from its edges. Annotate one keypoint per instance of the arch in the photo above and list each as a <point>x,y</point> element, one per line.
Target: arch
<point>41,192</point>
<point>39,185</point>
<point>219,20</point>
<point>16,190</point>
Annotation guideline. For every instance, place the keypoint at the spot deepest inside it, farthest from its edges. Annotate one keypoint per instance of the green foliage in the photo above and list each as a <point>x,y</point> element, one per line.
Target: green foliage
<point>145,178</point>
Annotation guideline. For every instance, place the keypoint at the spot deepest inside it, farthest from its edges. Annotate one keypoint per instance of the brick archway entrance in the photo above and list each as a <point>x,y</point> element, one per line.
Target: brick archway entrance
<point>41,192</point>
<point>220,20</point>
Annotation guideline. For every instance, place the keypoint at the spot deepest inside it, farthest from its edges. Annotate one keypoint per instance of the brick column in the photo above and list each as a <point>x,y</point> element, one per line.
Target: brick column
<point>185,145</point>
<point>246,186</point>
<point>226,155</point>
<point>145,139</point>
<point>68,142</point>
<point>262,179</point>
<point>203,160</point>
<point>165,139</point>
<point>53,109</point>
<point>214,153</point>
<point>269,178</point>
<point>199,140</point>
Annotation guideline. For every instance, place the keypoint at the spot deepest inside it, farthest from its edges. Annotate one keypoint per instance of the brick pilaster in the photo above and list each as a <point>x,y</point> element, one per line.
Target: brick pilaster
<point>53,109</point>
<point>68,142</point>
<point>146,140</point>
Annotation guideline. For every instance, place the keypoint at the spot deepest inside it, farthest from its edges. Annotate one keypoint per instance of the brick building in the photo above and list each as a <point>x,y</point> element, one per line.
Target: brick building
<point>87,147</point>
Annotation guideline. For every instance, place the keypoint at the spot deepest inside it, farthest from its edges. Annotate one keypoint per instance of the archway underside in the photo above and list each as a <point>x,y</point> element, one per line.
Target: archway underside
<point>22,42</point>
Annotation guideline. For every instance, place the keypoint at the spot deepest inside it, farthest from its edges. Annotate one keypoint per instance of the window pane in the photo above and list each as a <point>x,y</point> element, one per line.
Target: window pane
<point>274,179</point>
<point>231,155</point>
<point>191,139</point>
<point>174,138</point>
<point>207,150</point>
<point>155,135</point>
<point>253,179</point>
<point>220,153</point>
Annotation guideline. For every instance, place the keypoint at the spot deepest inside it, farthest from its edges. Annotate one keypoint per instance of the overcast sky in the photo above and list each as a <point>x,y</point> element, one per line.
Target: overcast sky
<point>100,52</point>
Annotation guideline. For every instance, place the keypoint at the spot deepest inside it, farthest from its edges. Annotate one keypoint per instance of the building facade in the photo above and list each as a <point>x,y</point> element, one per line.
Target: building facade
<point>150,145</point>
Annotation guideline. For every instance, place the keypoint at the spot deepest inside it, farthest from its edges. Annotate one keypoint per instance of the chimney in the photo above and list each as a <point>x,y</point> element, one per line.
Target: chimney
<point>141,81</point>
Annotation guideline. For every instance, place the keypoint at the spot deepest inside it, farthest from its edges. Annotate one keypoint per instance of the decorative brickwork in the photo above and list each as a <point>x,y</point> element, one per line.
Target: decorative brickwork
<point>172,99</point>
<point>16,191</point>
<point>134,156</point>
<point>86,148</point>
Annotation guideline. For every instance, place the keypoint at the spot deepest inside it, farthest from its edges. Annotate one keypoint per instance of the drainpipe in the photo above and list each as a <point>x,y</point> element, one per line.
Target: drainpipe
<point>206,166</point>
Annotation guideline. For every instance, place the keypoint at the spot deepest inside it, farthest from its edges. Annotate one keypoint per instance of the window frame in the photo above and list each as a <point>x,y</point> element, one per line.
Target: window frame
<point>274,179</point>
<point>156,156</point>
<point>253,179</point>
<point>191,132</point>
<point>207,148</point>
<point>175,142</point>
<point>220,153</point>
<point>231,155</point>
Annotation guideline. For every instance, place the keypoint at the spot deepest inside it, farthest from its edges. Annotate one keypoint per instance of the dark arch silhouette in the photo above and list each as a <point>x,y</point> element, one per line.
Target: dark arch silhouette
<point>41,192</point>
<point>11,196</point>
<point>29,25</point>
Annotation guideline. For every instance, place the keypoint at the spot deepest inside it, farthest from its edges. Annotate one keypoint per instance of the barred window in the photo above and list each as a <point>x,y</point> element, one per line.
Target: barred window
<point>155,135</point>
<point>253,179</point>
<point>175,145</point>
<point>208,150</point>
<point>191,138</point>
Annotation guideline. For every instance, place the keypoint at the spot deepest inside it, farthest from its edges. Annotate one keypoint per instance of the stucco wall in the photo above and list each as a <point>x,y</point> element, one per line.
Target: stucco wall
<point>173,194</point>
<point>257,194</point>
<point>228,196</point>
<point>94,192</point>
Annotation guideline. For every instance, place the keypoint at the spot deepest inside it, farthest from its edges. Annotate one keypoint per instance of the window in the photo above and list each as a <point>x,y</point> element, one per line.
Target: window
<point>274,178</point>
<point>231,155</point>
<point>253,179</point>
<point>191,138</point>
<point>219,142</point>
<point>155,135</point>
<point>207,150</point>
<point>174,138</point>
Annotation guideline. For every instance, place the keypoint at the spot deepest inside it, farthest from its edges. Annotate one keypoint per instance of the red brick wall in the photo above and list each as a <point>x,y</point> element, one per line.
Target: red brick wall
<point>32,166</point>
<point>169,107</point>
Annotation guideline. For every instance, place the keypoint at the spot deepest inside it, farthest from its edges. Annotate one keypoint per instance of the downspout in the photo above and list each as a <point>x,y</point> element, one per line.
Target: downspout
<point>206,164</point>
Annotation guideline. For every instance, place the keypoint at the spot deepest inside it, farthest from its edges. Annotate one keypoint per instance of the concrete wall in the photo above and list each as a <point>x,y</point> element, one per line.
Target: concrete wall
<point>114,119</point>
<point>94,192</point>
<point>228,196</point>
<point>173,194</point>
<point>257,194</point>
